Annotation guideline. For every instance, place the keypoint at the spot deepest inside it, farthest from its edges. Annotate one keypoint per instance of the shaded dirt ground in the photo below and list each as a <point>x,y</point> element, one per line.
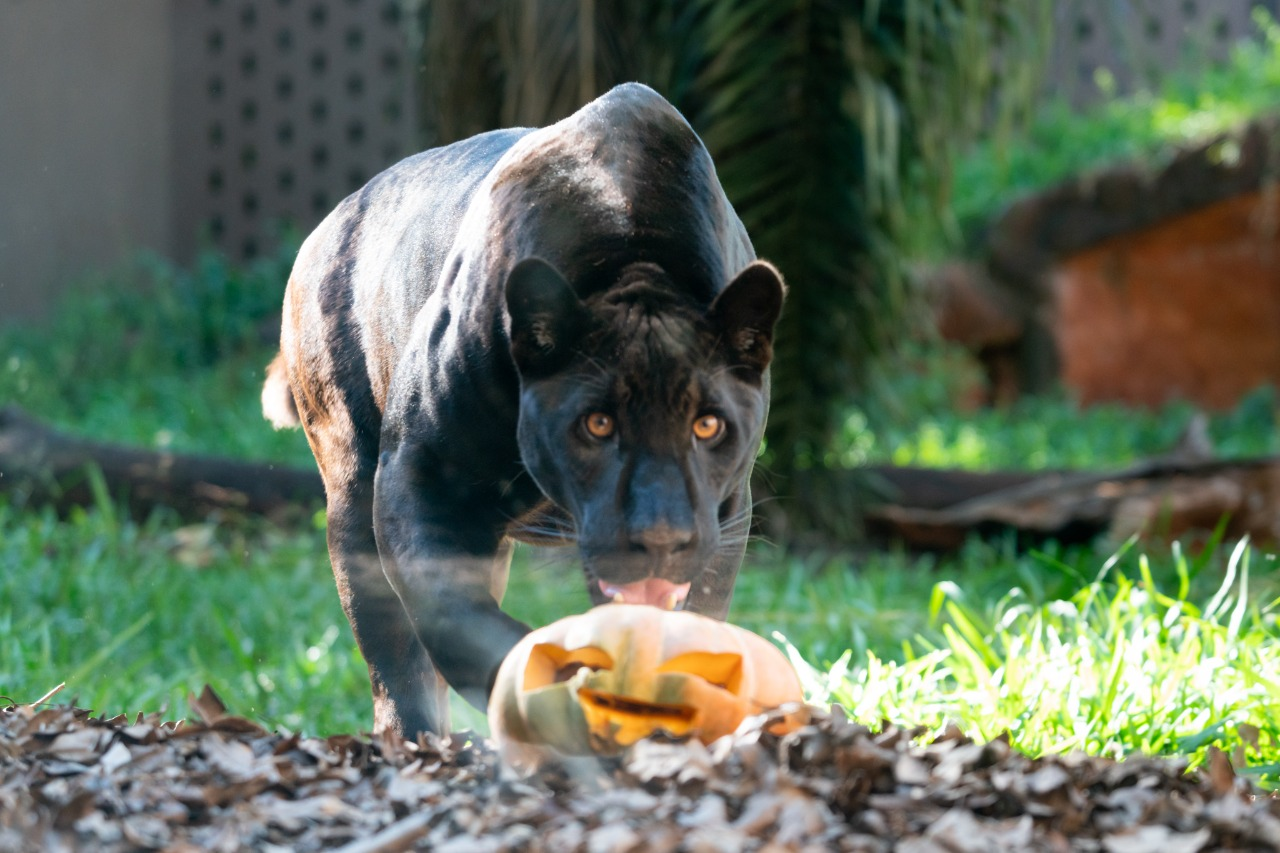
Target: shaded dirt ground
<point>69,781</point>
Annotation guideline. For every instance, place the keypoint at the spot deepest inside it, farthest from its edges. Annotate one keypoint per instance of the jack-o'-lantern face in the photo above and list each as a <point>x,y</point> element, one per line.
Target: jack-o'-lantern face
<point>601,681</point>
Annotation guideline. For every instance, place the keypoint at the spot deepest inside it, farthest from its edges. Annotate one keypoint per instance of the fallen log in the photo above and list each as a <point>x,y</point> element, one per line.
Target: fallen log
<point>40,465</point>
<point>1167,497</point>
<point>921,508</point>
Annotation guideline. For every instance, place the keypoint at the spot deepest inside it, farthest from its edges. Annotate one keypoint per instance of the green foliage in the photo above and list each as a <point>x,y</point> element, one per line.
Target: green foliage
<point>770,98</point>
<point>1187,106</point>
<point>150,312</point>
<point>910,419</point>
<point>1122,664</point>
<point>812,111</point>
<point>159,356</point>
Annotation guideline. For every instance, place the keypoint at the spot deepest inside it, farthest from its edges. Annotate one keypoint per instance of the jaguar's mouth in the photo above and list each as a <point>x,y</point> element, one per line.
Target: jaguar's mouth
<point>656,592</point>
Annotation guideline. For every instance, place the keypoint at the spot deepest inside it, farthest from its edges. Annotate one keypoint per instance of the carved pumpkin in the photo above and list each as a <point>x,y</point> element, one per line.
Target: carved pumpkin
<point>602,680</point>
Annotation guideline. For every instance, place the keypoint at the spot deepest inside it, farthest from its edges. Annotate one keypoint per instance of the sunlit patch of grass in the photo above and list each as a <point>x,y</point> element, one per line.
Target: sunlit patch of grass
<point>1186,107</point>
<point>1124,664</point>
<point>1052,432</point>
<point>910,418</point>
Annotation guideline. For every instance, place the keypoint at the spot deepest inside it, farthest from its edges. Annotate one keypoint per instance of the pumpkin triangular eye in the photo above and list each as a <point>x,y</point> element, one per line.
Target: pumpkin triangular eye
<point>550,664</point>
<point>723,669</point>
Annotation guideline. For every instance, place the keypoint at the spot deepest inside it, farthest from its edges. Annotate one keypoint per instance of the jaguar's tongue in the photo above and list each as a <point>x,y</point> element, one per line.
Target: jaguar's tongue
<point>654,591</point>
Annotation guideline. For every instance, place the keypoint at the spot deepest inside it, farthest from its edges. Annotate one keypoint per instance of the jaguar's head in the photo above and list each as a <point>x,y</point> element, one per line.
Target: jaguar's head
<point>641,413</point>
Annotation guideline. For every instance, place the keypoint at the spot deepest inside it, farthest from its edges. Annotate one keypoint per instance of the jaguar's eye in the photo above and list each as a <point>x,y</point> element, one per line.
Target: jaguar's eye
<point>598,425</point>
<point>708,427</point>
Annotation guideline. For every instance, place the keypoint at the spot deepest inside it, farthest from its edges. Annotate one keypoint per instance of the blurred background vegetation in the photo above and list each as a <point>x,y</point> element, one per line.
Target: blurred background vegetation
<point>821,118</point>
<point>857,140</point>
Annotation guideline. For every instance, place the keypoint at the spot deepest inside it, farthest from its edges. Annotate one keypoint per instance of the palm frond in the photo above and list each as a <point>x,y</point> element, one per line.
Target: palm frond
<point>508,63</point>
<point>814,111</point>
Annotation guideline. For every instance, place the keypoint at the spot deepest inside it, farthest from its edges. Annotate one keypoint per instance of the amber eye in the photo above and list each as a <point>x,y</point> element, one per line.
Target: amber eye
<point>707,427</point>
<point>598,425</point>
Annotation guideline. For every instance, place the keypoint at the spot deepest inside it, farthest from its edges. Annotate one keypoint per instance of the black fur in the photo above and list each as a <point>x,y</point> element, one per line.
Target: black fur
<point>448,327</point>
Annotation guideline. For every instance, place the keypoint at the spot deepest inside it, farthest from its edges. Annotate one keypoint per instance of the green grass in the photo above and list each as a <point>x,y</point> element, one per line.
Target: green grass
<point>1061,648</point>
<point>910,419</point>
<point>1059,142</point>
<point>159,356</point>
<point>135,616</point>
<point>1124,664</point>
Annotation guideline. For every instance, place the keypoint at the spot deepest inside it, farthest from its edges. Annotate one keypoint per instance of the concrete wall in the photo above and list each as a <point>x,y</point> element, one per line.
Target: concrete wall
<point>279,111</point>
<point>174,125</point>
<point>177,124</point>
<point>84,124</point>
<point>1137,41</point>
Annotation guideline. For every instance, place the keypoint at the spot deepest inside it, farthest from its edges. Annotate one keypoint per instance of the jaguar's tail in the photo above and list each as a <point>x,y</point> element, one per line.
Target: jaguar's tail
<point>278,405</point>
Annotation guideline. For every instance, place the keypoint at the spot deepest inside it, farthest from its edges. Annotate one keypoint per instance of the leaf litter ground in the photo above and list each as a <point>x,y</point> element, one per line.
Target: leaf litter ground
<point>72,781</point>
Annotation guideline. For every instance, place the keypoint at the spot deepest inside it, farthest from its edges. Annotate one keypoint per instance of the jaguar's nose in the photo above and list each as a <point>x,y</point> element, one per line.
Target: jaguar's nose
<point>662,540</point>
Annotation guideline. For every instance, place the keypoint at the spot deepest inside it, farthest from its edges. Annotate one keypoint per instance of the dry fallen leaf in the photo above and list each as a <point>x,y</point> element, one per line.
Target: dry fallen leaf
<point>1221,774</point>
<point>70,781</point>
<point>1156,839</point>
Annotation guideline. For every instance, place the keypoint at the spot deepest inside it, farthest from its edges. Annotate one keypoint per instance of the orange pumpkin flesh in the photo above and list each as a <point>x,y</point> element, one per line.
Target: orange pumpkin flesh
<point>598,682</point>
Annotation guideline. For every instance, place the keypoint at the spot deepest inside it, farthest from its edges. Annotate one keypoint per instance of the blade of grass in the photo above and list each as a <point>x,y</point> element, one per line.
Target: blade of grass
<point>98,658</point>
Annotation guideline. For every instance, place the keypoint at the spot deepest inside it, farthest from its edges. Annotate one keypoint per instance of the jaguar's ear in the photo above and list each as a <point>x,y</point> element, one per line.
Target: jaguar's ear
<point>547,318</point>
<point>744,313</point>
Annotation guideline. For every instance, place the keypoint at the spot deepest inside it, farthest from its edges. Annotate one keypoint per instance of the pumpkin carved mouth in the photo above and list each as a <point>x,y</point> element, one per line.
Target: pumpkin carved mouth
<point>623,720</point>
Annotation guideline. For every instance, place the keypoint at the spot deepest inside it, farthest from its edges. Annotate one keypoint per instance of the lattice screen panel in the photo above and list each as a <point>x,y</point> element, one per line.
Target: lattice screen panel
<point>1137,41</point>
<point>281,109</point>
